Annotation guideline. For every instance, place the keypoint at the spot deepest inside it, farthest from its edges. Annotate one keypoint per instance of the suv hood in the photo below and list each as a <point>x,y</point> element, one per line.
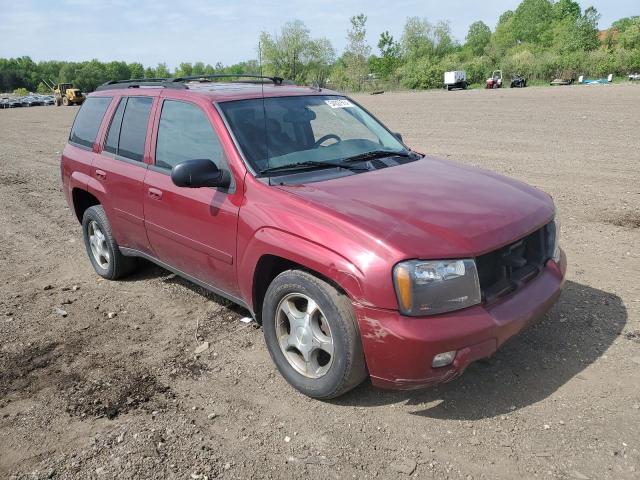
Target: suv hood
<point>431,208</point>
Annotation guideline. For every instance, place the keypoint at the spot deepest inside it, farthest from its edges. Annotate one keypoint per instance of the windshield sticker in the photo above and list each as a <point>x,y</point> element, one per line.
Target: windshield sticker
<point>339,103</point>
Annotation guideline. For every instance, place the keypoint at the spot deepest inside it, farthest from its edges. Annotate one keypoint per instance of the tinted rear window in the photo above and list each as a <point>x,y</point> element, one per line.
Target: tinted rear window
<point>85,127</point>
<point>133,131</point>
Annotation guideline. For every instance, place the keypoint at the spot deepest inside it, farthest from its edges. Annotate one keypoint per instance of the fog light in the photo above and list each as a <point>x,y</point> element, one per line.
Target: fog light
<point>443,359</point>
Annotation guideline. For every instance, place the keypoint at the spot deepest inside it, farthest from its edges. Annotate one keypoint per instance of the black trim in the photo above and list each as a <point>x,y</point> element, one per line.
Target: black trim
<point>131,252</point>
<point>274,80</point>
<point>179,82</point>
<point>79,145</point>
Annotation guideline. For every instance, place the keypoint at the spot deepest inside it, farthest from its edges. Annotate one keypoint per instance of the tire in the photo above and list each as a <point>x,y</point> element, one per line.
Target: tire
<point>65,101</point>
<point>102,249</point>
<point>333,320</point>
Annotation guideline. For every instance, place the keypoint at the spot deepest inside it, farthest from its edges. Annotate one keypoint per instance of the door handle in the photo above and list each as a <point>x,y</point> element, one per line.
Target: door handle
<point>101,174</point>
<point>155,193</point>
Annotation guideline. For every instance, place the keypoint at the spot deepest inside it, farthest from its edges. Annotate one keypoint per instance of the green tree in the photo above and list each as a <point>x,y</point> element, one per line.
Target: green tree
<point>43,89</point>
<point>622,24</point>
<point>630,37</point>
<point>532,21</point>
<point>321,57</point>
<point>90,75</point>
<point>417,39</point>
<point>504,36</point>
<point>161,71</point>
<point>117,71</point>
<point>293,54</point>
<point>185,69</point>
<point>198,69</point>
<point>389,59</point>
<point>136,70</point>
<point>357,51</point>
<point>478,37</point>
<point>566,9</point>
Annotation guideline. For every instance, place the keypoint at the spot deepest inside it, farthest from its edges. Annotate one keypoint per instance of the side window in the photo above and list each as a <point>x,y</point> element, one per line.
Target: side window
<point>111,145</point>
<point>88,120</point>
<point>133,128</point>
<point>185,133</point>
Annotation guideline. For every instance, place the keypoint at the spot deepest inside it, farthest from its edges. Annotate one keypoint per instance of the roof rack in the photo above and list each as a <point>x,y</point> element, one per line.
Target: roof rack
<point>206,78</point>
<point>141,82</point>
<point>180,82</point>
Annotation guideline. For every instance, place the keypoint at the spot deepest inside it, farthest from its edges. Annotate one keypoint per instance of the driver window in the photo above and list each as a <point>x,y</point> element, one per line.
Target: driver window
<point>185,133</point>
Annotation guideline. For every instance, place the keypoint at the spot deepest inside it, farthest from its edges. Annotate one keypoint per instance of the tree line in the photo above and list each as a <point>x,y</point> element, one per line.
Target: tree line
<point>541,39</point>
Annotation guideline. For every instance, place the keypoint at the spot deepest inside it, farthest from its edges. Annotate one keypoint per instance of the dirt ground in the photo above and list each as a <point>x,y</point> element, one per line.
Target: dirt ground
<point>114,388</point>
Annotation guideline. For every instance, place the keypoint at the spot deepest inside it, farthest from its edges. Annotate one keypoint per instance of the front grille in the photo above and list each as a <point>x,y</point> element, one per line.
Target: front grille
<point>507,269</point>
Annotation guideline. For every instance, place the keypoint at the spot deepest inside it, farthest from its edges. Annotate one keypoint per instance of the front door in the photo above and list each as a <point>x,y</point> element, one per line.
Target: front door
<point>191,229</point>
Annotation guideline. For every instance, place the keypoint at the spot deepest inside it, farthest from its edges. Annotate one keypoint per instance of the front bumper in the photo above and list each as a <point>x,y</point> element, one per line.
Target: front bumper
<point>399,350</point>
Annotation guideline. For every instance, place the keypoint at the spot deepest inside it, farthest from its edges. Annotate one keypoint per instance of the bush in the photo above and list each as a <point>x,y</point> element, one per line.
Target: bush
<point>21,92</point>
<point>421,74</point>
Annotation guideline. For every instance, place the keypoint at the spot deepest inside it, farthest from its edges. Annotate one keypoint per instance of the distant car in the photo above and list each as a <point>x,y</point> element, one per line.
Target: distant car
<point>11,103</point>
<point>634,77</point>
<point>33,101</point>
<point>48,100</point>
<point>4,103</point>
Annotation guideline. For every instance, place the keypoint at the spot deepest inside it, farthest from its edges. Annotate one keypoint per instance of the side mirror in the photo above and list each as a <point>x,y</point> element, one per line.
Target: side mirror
<point>199,173</point>
<point>398,136</point>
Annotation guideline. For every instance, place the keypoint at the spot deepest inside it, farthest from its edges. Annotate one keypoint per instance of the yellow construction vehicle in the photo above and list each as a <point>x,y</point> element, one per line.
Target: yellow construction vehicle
<point>65,94</point>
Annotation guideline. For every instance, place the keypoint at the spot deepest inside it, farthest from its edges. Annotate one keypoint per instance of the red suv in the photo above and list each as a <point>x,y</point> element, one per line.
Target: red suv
<point>359,256</point>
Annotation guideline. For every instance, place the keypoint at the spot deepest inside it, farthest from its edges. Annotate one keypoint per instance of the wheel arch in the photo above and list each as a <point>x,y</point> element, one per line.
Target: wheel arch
<point>82,199</point>
<point>272,252</point>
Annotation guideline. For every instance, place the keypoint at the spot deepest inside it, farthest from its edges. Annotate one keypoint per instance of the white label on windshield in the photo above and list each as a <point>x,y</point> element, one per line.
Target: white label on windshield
<point>339,103</point>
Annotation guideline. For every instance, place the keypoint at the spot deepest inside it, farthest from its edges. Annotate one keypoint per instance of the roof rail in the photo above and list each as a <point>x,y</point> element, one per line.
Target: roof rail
<point>205,78</point>
<point>141,82</point>
<point>179,82</point>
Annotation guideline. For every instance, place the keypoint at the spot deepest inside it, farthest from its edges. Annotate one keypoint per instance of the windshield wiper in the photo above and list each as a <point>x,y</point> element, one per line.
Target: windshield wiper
<point>309,165</point>
<point>377,154</point>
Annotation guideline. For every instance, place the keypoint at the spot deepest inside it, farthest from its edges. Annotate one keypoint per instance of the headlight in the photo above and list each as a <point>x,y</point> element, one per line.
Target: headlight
<point>436,286</point>
<point>553,238</point>
<point>556,240</point>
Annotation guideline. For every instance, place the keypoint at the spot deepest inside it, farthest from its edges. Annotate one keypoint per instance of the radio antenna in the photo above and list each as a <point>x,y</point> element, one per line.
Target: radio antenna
<point>264,108</point>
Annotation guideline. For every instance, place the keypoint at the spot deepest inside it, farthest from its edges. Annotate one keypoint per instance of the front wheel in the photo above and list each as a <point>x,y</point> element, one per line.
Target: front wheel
<point>311,333</point>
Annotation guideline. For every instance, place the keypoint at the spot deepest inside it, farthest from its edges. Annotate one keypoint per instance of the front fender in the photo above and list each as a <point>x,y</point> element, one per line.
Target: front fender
<point>315,257</point>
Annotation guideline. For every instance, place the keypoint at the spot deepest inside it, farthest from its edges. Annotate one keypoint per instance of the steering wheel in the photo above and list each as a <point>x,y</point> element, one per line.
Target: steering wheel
<point>324,138</point>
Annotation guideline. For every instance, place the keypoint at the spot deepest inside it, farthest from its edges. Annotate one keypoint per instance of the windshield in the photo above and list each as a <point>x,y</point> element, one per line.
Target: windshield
<point>305,130</point>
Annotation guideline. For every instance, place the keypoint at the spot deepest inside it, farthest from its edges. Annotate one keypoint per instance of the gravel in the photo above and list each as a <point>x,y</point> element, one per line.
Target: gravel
<point>92,397</point>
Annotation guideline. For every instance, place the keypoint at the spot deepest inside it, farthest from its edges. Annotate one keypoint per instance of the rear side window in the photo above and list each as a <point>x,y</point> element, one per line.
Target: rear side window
<point>132,126</point>
<point>87,122</point>
<point>185,133</point>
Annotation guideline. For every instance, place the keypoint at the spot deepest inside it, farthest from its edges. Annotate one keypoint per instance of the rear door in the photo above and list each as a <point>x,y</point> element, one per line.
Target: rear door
<point>120,167</point>
<point>191,229</point>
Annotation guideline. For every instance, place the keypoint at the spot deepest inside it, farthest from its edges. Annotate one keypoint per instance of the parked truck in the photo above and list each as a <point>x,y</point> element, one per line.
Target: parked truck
<point>455,79</point>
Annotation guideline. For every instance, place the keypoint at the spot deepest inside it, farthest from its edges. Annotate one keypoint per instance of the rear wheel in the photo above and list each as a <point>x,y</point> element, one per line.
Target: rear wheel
<point>311,334</point>
<point>102,249</point>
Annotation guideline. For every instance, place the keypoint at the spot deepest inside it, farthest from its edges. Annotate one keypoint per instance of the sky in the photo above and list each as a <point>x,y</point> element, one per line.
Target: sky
<point>153,31</point>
